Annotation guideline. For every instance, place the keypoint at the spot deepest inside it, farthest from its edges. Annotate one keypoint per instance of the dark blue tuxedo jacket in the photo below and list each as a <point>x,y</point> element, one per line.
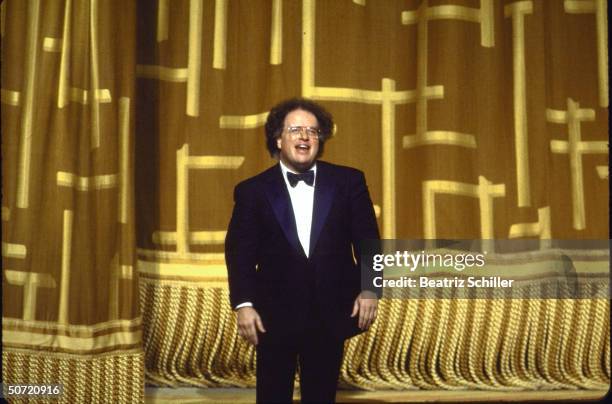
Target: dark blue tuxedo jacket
<point>267,265</point>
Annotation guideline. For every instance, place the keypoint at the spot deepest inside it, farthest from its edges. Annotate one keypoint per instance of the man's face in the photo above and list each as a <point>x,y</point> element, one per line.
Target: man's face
<point>298,151</point>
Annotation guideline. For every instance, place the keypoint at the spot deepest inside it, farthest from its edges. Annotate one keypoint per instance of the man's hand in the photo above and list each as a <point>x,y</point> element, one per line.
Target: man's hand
<point>249,322</point>
<point>366,306</point>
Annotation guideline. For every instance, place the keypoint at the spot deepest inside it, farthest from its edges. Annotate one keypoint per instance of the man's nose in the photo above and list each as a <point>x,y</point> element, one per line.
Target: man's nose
<point>304,134</point>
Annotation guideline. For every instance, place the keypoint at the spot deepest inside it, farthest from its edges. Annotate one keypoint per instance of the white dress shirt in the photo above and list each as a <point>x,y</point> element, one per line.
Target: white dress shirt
<point>302,200</point>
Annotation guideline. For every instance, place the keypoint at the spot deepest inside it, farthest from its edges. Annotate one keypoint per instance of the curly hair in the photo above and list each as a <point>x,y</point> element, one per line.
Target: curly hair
<point>276,122</point>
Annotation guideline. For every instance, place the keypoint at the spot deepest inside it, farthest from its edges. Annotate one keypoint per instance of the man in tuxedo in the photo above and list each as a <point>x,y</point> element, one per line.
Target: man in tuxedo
<point>292,252</point>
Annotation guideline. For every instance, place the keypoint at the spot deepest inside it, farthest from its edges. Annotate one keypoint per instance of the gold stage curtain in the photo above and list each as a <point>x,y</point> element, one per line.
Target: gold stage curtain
<point>70,289</point>
<point>470,118</point>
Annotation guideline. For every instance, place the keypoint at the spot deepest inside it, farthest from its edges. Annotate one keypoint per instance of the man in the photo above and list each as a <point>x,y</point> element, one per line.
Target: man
<point>293,280</point>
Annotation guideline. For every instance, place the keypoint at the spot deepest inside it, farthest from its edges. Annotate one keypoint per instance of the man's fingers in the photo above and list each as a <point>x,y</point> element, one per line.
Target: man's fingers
<point>372,317</point>
<point>362,317</point>
<point>366,306</point>
<point>366,311</point>
<point>252,334</point>
<point>366,317</point>
<point>369,315</point>
<point>355,308</point>
<point>260,326</point>
<point>251,338</point>
<point>249,322</point>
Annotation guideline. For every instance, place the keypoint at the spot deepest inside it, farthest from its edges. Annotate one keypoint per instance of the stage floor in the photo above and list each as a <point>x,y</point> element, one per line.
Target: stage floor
<point>190,395</point>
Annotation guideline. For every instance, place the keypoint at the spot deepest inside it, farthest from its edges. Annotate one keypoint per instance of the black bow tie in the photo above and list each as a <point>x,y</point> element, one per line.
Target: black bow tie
<point>307,177</point>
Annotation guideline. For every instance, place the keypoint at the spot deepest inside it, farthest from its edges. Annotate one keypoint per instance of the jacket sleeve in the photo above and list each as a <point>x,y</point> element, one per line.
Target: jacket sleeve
<point>241,243</point>
<point>364,231</point>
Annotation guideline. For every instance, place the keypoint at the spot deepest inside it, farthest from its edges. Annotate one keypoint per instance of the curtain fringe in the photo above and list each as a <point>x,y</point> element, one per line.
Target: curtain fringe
<point>109,378</point>
<point>521,344</point>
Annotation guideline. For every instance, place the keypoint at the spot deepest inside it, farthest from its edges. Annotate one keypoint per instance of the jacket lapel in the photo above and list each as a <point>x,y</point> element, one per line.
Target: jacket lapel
<point>323,198</point>
<point>279,199</point>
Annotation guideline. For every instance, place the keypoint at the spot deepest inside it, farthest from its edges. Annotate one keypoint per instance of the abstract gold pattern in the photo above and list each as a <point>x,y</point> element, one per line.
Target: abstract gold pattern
<point>171,256</point>
<point>27,113</point>
<point>191,74</point>
<point>72,344</point>
<point>482,16</point>
<point>117,272</point>
<point>52,44</point>
<point>603,172</point>
<point>599,8</point>
<point>183,237</point>
<point>387,98</point>
<point>124,158</point>
<point>220,39</point>
<point>162,73</point>
<point>575,147</point>
<point>276,36</point>
<point>194,57</point>
<point>30,281</point>
<point>66,179</point>
<point>6,214</point>
<point>162,20</point>
<point>13,250</point>
<point>2,18</point>
<point>517,12</point>
<point>83,331</point>
<point>95,72</point>
<point>67,232</point>
<point>66,92</point>
<point>243,121</point>
<point>63,92</point>
<point>10,97</point>
<point>176,270</point>
<point>485,191</point>
<point>65,59</point>
<point>541,228</point>
<point>82,96</point>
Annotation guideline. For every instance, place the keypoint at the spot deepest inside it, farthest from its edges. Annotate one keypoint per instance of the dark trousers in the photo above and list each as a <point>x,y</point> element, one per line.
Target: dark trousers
<point>319,355</point>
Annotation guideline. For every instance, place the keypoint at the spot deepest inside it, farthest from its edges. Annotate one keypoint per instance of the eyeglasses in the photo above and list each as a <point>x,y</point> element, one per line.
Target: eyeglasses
<point>296,131</point>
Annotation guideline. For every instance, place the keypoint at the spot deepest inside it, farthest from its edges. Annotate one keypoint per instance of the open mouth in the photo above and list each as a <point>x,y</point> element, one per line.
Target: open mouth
<point>302,147</point>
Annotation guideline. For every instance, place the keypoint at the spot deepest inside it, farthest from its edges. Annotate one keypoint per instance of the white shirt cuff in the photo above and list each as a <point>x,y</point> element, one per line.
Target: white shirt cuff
<point>245,304</point>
